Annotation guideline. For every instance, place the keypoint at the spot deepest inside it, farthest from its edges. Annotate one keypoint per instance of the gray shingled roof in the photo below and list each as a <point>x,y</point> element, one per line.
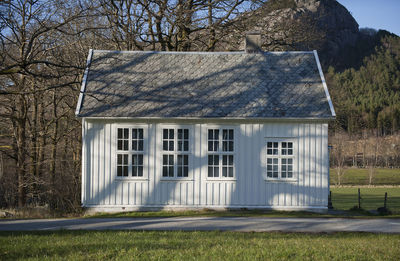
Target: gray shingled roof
<point>204,85</point>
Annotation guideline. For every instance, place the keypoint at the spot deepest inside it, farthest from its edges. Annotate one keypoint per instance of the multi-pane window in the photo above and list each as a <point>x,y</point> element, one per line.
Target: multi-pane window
<point>175,144</point>
<point>280,159</point>
<point>137,165</point>
<point>272,167</point>
<point>122,165</point>
<point>168,139</point>
<point>213,140</point>
<point>130,152</point>
<point>227,165</point>
<point>123,139</point>
<point>287,148</point>
<point>220,153</point>
<point>287,168</point>
<point>183,140</point>
<point>137,139</point>
<point>168,165</point>
<point>213,166</point>
<point>183,166</point>
<point>227,140</point>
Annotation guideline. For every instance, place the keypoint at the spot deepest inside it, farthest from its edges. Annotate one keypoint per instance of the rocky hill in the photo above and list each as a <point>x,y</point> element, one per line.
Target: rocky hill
<point>324,25</point>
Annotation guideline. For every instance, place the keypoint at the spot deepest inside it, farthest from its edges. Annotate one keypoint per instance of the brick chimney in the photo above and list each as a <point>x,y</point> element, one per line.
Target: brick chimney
<point>253,42</point>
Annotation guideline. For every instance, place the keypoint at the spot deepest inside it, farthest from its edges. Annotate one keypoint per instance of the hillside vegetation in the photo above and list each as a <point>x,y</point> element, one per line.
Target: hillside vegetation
<point>369,97</point>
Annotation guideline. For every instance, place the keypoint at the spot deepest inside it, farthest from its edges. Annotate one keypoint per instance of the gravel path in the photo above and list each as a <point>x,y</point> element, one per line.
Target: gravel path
<point>245,224</point>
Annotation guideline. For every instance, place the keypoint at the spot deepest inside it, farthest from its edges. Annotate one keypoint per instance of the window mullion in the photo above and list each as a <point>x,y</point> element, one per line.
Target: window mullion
<point>279,160</point>
<point>220,166</point>
<point>175,152</point>
<point>130,167</point>
<point>220,144</point>
<point>130,149</point>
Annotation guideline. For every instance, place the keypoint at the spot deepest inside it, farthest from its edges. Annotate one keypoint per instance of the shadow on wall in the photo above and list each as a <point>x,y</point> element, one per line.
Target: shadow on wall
<point>249,189</point>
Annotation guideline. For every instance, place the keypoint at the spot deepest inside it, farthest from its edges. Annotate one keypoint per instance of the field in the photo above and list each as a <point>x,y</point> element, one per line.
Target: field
<point>158,245</point>
<point>354,176</point>
<point>344,198</point>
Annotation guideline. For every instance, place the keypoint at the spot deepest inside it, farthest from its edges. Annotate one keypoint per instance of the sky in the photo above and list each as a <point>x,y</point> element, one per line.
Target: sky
<point>377,14</point>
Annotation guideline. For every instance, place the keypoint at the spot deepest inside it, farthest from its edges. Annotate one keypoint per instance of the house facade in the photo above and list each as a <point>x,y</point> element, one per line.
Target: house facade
<point>173,130</point>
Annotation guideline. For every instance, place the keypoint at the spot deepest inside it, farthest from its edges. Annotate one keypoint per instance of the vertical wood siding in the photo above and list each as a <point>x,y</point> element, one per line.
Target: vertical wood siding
<point>101,187</point>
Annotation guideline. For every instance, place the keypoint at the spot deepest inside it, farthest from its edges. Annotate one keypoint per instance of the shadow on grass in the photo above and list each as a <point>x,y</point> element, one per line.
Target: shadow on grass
<point>335,213</point>
<point>209,213</point>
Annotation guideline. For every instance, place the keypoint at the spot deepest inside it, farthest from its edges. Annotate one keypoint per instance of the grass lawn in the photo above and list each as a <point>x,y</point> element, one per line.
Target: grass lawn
<point>354,176</point>
<point>371,198</point>
<point>159,245</point>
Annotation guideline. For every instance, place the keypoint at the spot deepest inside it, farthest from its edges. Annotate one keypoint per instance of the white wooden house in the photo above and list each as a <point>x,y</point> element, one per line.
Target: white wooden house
<point>204,130</point>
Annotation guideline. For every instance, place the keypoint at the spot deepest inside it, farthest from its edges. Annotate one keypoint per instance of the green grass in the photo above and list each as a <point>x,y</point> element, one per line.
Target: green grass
<point>355,176</point>
<point>344,198</point>
<point>215,245</point>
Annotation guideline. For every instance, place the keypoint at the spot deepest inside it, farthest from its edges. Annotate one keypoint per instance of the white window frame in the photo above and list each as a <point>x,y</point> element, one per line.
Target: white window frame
<point>220,152</point>
<point>294,156</point>
<point>175,152</point>
<point>130,151</point>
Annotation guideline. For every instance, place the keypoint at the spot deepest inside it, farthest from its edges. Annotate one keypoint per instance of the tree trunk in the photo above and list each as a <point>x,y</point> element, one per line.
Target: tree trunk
<point>53,152</point>
<point>371,174</point>
<point>42,140</point>
<point>212,41</point>
<point>20,137</point>
<point>34,138</point>
<point>21,172</point>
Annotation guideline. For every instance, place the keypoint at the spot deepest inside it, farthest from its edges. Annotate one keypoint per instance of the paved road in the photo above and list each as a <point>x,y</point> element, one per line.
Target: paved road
<point>208,223</point>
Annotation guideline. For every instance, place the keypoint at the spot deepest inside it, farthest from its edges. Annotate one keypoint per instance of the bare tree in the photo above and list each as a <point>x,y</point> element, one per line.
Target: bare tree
<point>338,154</point>
<point>372,160</point>
<point>174,25</point>
<point>32,68</point>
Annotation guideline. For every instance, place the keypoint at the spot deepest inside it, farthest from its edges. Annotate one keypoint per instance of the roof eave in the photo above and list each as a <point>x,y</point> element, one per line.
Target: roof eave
<point>83,86</point>
<point>213,119</point>
<point>321,74</point>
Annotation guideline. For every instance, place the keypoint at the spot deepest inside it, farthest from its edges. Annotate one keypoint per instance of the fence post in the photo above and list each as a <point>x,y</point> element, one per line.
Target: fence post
<point>330,206</point>
<point>359,199</point>
<point>384,204</point>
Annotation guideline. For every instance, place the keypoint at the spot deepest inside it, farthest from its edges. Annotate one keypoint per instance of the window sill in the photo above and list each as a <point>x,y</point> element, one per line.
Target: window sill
<point>131,179</point>
<point>280,180</point>
<point>221,179</point>
<point>176,179</point>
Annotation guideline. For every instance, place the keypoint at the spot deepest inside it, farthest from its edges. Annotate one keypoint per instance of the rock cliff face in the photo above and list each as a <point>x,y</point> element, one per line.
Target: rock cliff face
<point>324,25</point>
<point>334,19</point>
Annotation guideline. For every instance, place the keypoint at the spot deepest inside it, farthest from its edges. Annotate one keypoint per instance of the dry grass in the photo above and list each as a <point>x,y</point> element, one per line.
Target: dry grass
<point>35,212</point>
